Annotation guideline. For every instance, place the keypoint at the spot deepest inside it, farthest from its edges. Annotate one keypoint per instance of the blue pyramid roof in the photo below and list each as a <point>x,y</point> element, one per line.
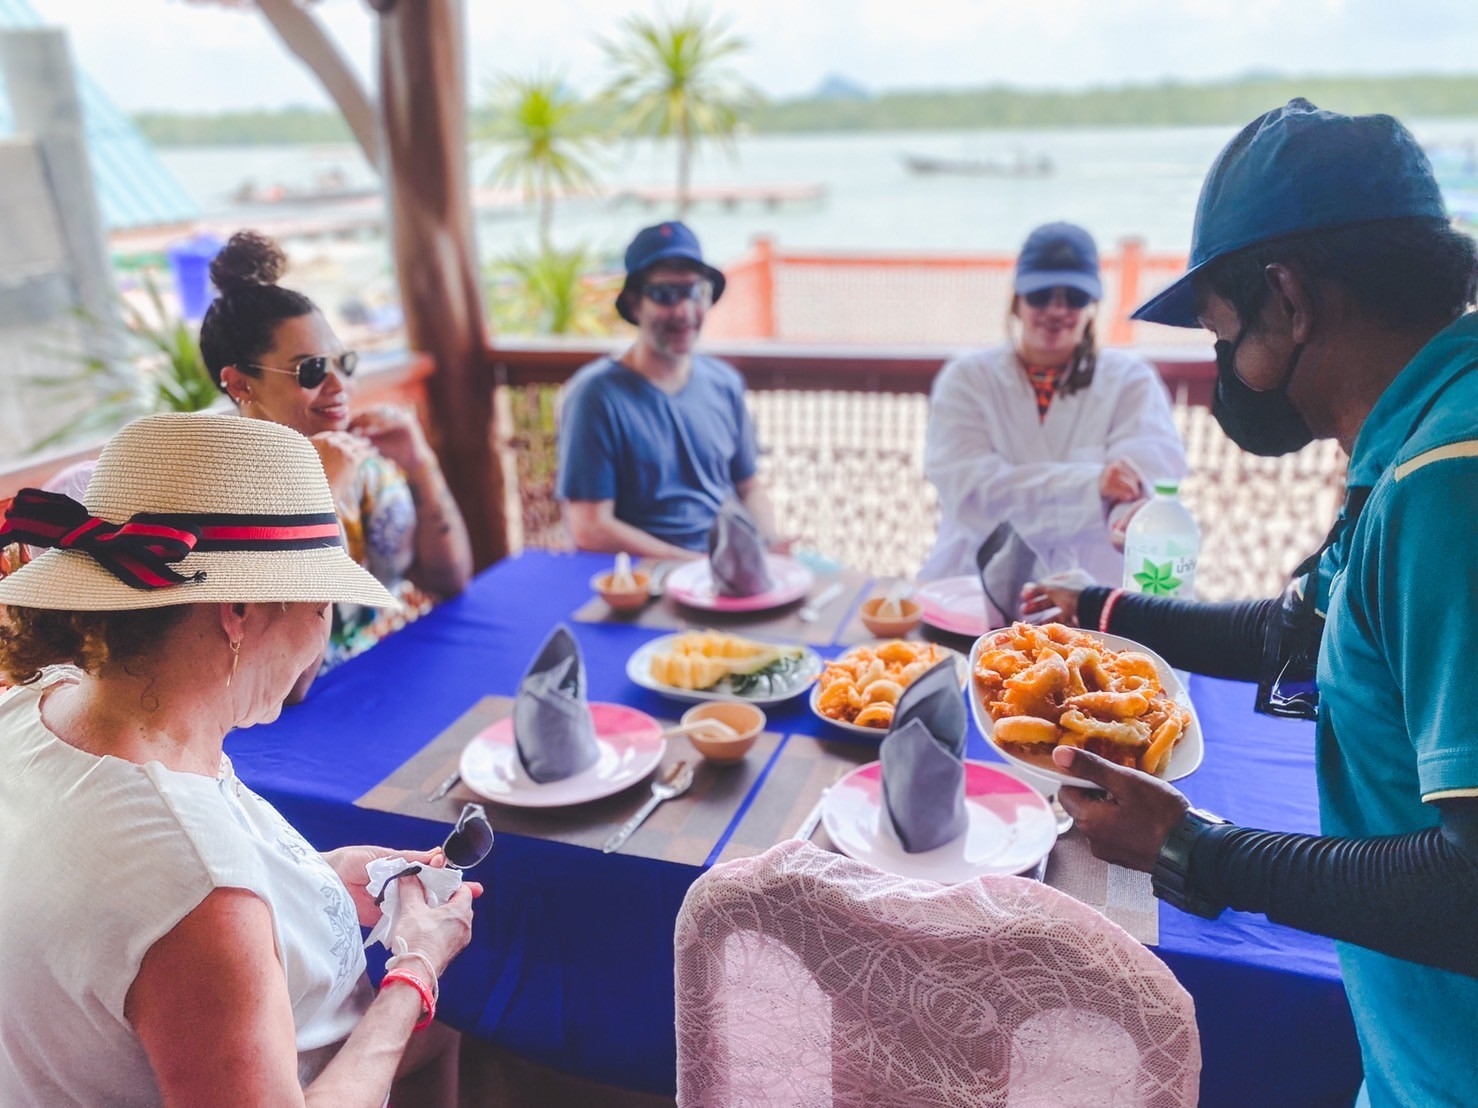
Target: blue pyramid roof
<point>134,189</point>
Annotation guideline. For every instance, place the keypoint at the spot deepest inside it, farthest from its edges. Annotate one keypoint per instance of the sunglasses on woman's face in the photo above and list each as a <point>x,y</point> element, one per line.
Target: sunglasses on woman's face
<point>312,370</point>
<point>1042,298</point>
<point>671,294</point>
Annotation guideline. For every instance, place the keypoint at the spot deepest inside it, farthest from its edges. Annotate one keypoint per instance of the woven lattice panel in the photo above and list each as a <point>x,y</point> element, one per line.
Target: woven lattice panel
<point>846,473</point>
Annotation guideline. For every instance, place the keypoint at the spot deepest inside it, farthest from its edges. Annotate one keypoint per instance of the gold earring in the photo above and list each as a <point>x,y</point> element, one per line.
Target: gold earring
<point>235,657</point>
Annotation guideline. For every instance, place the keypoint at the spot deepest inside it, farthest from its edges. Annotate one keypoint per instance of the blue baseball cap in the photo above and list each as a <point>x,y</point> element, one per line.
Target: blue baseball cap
<point>1058,254</point>
<point>671,241</point>
<point>1299,168</point>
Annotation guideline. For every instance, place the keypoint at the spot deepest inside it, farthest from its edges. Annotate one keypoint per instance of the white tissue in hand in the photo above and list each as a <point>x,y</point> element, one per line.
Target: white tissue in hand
<point>439,884</point>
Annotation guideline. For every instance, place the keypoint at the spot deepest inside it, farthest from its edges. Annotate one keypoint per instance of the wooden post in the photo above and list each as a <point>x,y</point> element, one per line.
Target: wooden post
<point>764,252</point>
<point>1131,261</point>
<point>423,109</point>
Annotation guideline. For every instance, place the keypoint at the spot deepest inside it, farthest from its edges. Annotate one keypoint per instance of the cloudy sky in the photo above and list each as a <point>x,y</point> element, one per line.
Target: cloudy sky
<point>174,54</point>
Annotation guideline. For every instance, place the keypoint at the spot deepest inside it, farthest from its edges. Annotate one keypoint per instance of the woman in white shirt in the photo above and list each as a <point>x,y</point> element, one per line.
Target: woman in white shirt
<point>1047,431</point>
<point>169,937</point>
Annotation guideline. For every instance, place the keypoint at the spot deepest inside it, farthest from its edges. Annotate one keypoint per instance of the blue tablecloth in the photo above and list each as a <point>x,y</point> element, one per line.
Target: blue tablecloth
<point>571,959</point>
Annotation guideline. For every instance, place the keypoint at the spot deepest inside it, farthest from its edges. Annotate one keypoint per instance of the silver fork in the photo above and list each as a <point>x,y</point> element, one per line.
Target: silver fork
<point>673,783</point>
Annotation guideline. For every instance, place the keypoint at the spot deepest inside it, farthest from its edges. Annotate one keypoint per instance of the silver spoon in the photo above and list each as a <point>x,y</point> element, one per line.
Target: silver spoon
<point>673,783</point>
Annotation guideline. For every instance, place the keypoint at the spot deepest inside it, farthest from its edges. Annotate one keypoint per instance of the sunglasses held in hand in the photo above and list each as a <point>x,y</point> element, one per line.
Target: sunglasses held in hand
<point>312,370</point>
<point>470,841</point>
<point>1073,298</point>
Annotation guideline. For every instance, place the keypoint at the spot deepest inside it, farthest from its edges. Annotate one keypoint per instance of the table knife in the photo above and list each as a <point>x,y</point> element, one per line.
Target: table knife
<point>813,818</point>
<point>446,786</point>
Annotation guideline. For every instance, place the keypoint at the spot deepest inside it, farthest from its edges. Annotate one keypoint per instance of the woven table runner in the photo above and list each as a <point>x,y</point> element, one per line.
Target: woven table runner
<point>684,829</point>
<point>807,766</point>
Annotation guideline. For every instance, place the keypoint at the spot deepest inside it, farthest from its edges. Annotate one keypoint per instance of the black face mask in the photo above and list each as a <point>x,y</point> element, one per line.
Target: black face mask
<point>1262,423</point>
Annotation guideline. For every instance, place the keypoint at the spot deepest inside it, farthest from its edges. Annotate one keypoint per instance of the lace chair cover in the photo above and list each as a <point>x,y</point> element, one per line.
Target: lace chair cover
<point>808,979</point>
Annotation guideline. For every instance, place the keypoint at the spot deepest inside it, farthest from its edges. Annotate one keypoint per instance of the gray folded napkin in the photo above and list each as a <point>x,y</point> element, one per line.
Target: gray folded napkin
<point>923,772</point>
<point>551,718</point>
<point>1007,562</point>
<point>736,553</point>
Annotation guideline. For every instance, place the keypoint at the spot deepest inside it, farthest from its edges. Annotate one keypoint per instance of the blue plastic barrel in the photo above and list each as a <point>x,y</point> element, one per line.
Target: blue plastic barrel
<point>190,260</point>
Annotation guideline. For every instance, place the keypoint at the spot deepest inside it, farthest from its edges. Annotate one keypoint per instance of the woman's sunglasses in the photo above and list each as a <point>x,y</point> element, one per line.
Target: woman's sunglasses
<point>1073,298</point>
<point>470,841</point>
<point>312,370</point>
<point>669,295</point>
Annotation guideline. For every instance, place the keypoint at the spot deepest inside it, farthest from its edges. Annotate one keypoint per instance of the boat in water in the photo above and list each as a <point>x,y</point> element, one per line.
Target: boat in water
<point>1021,166</point>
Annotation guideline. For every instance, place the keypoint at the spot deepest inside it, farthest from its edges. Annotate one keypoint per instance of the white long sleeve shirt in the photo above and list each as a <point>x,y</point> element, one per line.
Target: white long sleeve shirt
<point>992,459</point>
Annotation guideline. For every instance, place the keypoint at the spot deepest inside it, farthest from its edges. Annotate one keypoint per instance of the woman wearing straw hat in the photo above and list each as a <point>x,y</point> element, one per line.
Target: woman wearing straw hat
<point>168,936</point>
<point>272,352</point>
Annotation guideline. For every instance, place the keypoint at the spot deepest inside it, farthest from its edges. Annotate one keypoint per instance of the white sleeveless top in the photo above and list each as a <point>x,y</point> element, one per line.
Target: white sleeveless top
<point>99,859</point>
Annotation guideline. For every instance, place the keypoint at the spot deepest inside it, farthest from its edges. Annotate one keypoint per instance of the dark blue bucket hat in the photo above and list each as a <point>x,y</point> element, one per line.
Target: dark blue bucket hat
<point>1058,254</point>
<point>1299,168</point>
<point>671,241</point>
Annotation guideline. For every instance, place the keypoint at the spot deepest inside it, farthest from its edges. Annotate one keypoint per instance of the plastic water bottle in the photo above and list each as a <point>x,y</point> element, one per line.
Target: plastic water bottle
<point>1161,546</point>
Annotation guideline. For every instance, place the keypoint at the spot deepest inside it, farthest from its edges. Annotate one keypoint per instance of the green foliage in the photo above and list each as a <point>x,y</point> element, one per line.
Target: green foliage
<point>1166,104</point>
<point>164,353</point>
<point>255,128</point>
<point>551,292</point>
<point>551,135</point>
<point>672,79</point>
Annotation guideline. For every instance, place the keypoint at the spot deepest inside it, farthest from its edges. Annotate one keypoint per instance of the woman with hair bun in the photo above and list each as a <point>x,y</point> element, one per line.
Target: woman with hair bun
<point>274,354</point>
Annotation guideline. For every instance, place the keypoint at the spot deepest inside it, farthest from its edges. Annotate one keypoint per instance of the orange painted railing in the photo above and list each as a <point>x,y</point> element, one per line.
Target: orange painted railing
<point>953,299</point>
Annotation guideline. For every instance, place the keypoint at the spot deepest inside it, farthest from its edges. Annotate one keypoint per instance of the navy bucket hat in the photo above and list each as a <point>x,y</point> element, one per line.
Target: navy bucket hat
<point>1058,254</point>
<point>671,241</point>
<point>1295,169</point>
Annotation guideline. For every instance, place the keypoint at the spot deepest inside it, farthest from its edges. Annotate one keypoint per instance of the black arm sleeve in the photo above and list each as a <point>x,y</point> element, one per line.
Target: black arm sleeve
<point>1219,640</point>
<point>1411,896</point>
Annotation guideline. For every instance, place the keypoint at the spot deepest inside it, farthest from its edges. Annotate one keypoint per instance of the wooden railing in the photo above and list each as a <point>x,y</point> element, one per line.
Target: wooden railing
<point>810,296</point>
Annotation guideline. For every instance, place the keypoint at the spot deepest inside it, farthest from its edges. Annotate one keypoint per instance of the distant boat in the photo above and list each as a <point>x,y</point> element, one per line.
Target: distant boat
<point>1021,166</point>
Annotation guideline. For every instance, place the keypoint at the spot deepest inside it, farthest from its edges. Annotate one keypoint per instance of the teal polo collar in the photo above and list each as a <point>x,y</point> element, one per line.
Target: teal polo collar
<point>1398,412</point>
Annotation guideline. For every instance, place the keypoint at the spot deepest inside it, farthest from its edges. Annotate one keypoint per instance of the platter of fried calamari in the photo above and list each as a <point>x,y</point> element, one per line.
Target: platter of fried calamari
<point>858,691</point>
<point>1034,688</point>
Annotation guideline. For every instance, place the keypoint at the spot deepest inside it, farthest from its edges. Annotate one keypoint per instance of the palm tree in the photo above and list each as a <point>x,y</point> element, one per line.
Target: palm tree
<point>551,134</point>
<point>671,77</point>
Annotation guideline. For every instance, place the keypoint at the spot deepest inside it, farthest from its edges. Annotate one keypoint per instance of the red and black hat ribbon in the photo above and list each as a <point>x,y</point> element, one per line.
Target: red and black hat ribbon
<point>138,552</point>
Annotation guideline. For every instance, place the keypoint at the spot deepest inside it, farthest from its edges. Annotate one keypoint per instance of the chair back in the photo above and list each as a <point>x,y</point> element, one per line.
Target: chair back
<point>807,978</point>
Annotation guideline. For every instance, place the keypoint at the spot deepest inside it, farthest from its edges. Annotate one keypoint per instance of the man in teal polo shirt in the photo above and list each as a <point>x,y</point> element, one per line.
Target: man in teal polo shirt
<point>1324,263</point>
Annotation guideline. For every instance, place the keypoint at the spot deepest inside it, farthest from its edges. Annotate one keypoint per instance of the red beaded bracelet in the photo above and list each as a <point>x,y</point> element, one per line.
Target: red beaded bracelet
<point>428,1001</point>
<point>1108,609</point>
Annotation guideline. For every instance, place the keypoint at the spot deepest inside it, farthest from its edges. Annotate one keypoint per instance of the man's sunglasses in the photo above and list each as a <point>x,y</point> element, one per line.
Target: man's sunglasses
<point>312,370</point>
<point>671,294</point>
<point>470,841</point>
<point>1073,298</point>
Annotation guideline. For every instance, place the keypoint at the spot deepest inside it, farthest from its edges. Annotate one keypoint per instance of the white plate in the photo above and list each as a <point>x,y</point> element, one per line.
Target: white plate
<point>962,665</point>
<point>692,584</point>
<point>1011,827</point>
<point>957,605</point>
<point>1184,759</point>
<point>631,746</point>
<point>639,670</point>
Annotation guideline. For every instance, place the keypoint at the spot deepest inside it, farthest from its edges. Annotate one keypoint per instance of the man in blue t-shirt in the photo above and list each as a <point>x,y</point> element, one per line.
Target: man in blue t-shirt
<point>652,442</point>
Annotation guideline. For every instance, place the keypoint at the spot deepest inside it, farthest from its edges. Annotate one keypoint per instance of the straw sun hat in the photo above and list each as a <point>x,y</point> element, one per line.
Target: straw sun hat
<point>189,509</point>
